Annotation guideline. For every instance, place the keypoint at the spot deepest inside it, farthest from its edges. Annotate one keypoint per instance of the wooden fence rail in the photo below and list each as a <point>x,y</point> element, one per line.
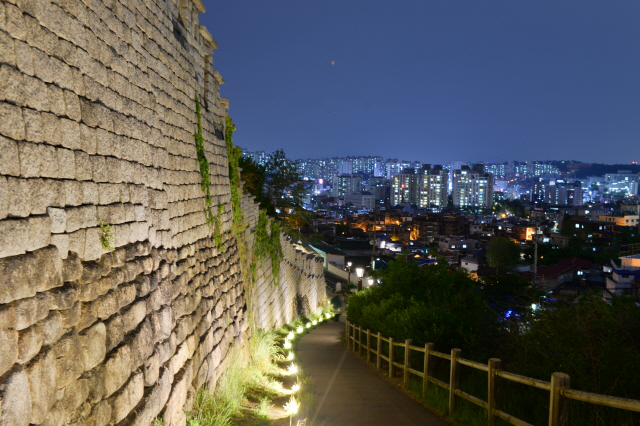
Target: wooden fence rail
<point>559,388</point>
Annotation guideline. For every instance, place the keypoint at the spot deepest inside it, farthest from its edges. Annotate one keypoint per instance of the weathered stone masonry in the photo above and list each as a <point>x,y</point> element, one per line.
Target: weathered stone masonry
<point>97,115</point>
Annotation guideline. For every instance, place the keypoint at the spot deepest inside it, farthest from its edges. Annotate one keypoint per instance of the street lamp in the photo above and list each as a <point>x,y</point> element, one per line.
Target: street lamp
<point>349,269</point>
<point>370,282</point>
<point>360,272</point>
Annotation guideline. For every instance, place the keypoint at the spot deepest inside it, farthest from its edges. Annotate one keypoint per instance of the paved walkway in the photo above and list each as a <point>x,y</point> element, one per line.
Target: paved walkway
<point>348,392</point>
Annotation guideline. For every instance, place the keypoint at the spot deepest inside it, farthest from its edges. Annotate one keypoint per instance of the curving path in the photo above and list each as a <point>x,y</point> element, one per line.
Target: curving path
<point>348,392</point>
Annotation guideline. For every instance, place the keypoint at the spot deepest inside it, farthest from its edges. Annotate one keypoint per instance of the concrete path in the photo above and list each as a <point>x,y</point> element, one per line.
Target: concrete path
<point>348,392</point>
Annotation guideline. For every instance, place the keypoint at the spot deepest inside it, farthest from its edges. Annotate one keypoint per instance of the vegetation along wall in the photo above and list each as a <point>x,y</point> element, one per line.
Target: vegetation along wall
<point>121,287</point>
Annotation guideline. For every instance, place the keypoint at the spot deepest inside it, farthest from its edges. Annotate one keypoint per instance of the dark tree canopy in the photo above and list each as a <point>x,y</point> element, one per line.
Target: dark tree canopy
<point>502,253</point>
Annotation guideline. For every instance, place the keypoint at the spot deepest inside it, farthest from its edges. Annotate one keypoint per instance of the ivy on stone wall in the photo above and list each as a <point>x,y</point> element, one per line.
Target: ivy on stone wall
<point>234,153</point>
<point>268,245</point>
<point>212,221</point>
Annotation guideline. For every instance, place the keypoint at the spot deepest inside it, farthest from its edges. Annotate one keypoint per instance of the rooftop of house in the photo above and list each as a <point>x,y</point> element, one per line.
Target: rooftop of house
<point>574,261</point>
<point>327,249</point>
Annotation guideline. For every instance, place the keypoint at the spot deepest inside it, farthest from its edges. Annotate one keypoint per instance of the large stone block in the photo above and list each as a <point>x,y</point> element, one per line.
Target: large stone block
<point>24,58</point>
<point>88,139</point>
<point>30,311</point>
<point>8,338</point>
<point>49,166</point>
<point>84,170</point>
<point>133,315</point>
<point>93,244</point>
<point>33,126</point>
<point>74,395</point>
<point>45,193</point>
<point>40,232</point>
<point>36,97</point>
<point>9,157</point>
<point>115,371</point>
<point>29,159</point>
<point>7,49</point>
<point>15,24</point>
<point>14,236</point>
<point>125,400</point>
<point>81,217</point>
<point>19,197</point>
<point>108,193</point>
<point>93,345</point>
<point>70,132</point>
<point>68,354</point>
<point>115,331</point>
<point>58,219</point>
<point>56,100</point>
<point>4,197</point>
<point>29,343</point>
<point>76,243</point>
<point>100,414</point>
<point>11,122</point>
<point>66,163</point>
<point>90,193</point>
<point>52,327</point>
<point>154,400</point>
<point>73,192</point>
<point>42,376</point>
<point>11,85</point>
<point>15,399</point>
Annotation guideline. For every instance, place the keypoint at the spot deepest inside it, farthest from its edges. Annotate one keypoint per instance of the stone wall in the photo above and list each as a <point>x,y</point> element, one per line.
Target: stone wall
<point>97,116</point>
<point>299,287</point>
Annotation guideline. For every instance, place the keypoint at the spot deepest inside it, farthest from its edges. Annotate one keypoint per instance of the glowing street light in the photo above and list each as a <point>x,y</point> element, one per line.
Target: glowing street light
<point>360,272</point>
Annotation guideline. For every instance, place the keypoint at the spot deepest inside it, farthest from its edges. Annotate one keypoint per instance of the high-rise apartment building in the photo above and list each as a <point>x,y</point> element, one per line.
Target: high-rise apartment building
<point>558,192</point>
<point>395,167</point>
<point>346,184</point>
<point>472,187</point>
<point>405,187</point>
<point>433,187</point>
<point>537,190</point>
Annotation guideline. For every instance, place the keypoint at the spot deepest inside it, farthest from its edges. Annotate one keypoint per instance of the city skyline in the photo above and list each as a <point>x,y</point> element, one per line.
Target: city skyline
<point>490,80</point>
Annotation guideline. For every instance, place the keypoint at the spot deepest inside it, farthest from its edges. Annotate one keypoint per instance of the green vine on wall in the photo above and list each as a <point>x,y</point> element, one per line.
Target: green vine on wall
<point>107,238</point>
<point>268,245</point>
<point>214,222</point>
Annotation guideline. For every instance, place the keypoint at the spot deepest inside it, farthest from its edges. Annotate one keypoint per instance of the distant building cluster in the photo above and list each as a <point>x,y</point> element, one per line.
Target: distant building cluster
<point>374,183</point>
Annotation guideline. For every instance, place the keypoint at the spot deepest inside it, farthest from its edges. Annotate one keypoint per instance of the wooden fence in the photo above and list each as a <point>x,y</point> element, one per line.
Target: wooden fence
<point>559,388</point>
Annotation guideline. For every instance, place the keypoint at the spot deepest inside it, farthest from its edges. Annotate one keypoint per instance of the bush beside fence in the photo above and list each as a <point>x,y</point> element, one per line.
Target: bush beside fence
<point>560,392</point>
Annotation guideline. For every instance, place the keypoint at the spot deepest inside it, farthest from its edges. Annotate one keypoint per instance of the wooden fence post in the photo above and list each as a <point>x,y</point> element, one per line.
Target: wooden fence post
<point>454,379</point>
<point>558,404</point>
<point>493,398</point>
<point>346,331</point>
<point>368,345</point>
<point>352,337</point>
<point>390,356</point>
<point>360,341</point>
<point>378,359</point>
<point>428,367</point>
<point>407,361</point>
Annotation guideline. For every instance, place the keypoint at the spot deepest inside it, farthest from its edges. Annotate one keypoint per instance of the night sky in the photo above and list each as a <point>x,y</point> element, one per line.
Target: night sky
<point>433,81</point>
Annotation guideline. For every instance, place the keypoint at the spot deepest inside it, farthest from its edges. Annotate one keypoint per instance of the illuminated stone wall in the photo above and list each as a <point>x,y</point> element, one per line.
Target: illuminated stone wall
<point>97,116</point>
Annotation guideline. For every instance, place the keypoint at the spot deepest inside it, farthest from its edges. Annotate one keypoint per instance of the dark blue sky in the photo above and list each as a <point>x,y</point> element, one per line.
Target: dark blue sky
<point>432,80</point>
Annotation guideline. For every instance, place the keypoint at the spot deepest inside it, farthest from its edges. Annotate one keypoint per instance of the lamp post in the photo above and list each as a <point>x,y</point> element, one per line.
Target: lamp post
<point>349,269</point>
<point>370,282</point>
<point>360,272</point>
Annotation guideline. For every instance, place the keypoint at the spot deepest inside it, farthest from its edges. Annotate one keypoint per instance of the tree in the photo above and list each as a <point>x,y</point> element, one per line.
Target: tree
<point>280,189</point>
<point>254,177</point>
<point>502,252</point>
<point>284,185</point>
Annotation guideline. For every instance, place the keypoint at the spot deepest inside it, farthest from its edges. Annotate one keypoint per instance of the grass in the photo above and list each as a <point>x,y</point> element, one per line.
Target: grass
<point>259,381</point>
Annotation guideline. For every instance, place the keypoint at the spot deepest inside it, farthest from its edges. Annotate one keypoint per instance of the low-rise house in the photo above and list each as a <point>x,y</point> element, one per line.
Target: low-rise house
<point>622,220</point>
<point>549,277</point>
<point>621,282</point>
